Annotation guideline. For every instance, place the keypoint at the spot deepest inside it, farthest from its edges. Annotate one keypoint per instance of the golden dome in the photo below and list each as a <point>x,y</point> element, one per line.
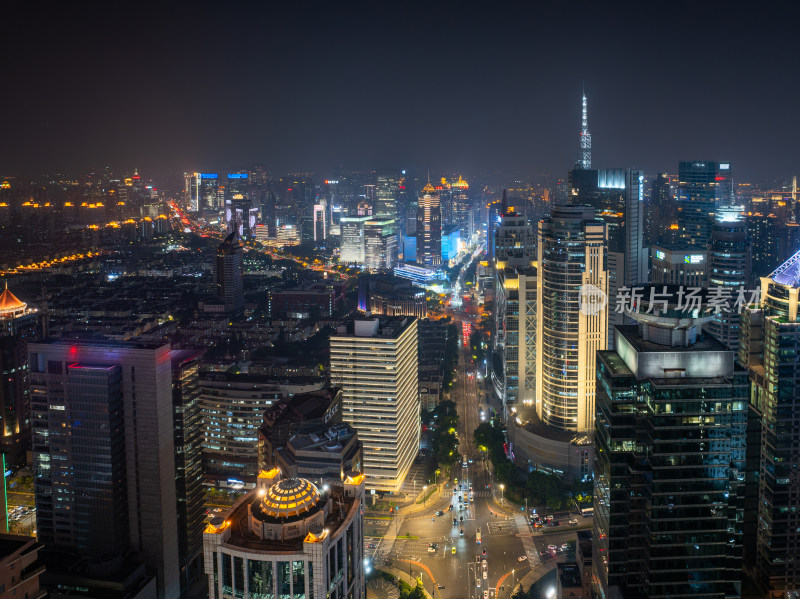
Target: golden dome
<point>9,304</point>
<point>289,497</point>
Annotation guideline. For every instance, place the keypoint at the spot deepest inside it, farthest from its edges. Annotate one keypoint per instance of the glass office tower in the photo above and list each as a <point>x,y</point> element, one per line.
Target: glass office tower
<point>669,458</point>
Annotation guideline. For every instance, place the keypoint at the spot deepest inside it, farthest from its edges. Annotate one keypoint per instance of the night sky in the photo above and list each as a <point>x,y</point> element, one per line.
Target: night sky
<point>450,85</point>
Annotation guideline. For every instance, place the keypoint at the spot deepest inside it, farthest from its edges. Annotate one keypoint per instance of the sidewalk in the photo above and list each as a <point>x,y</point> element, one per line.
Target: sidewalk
<point>397,573</point>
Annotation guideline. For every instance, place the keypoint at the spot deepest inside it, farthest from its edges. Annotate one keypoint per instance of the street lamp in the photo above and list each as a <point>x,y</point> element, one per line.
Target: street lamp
<point>502,494</point>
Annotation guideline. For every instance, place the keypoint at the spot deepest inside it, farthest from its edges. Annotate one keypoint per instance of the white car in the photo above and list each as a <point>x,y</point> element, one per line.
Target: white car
<point>485,575</point>
<point>522,558</point>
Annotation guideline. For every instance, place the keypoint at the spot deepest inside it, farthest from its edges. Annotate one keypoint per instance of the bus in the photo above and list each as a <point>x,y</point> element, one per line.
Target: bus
<point>587,512</point>
<point>478,537</point>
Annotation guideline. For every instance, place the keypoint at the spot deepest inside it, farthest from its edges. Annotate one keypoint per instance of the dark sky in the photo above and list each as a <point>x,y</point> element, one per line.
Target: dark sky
<point>445,85</point>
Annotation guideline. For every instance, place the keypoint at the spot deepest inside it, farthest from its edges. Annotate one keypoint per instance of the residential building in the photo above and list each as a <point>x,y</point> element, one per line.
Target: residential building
<point>20,568</point>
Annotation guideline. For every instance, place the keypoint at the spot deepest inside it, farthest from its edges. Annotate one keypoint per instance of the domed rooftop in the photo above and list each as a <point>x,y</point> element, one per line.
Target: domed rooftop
<point>9,304</point>
<point>288,498</point>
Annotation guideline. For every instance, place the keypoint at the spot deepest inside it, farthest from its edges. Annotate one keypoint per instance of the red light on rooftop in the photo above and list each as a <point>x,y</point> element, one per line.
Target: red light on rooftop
<point>719,178</point>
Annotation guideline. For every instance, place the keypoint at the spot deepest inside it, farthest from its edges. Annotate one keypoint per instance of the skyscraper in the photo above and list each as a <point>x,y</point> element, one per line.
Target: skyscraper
<point>103,451</point>
<point>670,442</point>
<point>19,325</point>
<point>351,240</point>
<point>770,346</point>
<point>387,192</point>
<point>429,227</point>
<point>728,269</point>
<point>380,244</point>
<point>228,274</point>
<point>514,238</point>
<point>616,196</point>
<point>571,275</point>
<point>191,191</point>
<point>375,363</point>
<point>209,200</point>
<point>703,188</point>
<point>188,440</point>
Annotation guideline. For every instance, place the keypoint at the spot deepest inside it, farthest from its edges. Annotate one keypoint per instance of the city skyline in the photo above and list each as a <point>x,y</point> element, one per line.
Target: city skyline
<point>308,87</point>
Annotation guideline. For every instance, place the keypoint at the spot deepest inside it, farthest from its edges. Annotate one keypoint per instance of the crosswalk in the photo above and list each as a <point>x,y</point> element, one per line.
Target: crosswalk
<point>485,493</point>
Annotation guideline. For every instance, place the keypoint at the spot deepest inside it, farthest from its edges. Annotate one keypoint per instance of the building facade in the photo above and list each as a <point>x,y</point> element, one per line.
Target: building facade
<point>103,451</point>
<point>289,539</point>
<point>703,188</point>
<point>571,273</point>
<point>770,346</point>
<point>228,274</point>
<point>670,459</point>
<point>429,227</point>
<point>375,363</point>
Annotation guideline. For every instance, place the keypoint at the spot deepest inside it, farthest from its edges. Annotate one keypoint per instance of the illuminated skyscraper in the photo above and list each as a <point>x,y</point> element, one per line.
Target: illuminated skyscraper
<point>770,346</point>
<point>209,199</point>
<point>191,191</point>
<point>571,272</point>
<point>429,227</point>
<point>375,363</point>
<point>380,244</point>
<point>670,451</point>
<point>729,262</point>
<point>351,244</point>
<point>703,188</point>
<point>387,192</point>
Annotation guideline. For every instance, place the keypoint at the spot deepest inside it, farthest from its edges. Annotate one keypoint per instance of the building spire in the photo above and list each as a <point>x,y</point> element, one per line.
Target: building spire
<point>585,161</point>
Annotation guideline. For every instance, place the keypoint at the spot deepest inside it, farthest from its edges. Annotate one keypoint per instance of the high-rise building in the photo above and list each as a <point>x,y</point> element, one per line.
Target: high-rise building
<point>191,191</point>
<point>375,363</point>
<point>188,439</point>
<point>514,238</point>
<point>661,213</point>
<point>670,444</point>
<point>461,207</point>
<point>19,325</point>
<point>675,264</point>
<point>429,227</point>
<point>287,538</point>
<point>103,452</point>
<point>387,192</point>
<point>770,346</point>
<point>729,262</point>
<point>233,407</point>
<point>703,188</point>
<point>228,274</point>
<point>616,195</point>
<point>380,244</point>
<point>209,200</point>
<point>515,336</point>
<point>571,315</point>
<point>320,221</point>
<point>351,244</point>
<point>238,185</point>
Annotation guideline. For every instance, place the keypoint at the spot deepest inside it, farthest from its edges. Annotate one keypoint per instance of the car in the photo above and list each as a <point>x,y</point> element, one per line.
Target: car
<point>522,558</point>
<point>372,545</point>
<point>485,575</point>
<point>440,513</point>
<point>460,499</point>
<point>454,549</point>
<point>483,552</point>
<point>461,532</point>
<point>573,522</point>
<point>472,500</point>
<point>551,547</point>
<point>440,586</point>
<point>485,594</point>
<point>548,518</point>
<point>455,521</point>
<point>431,549</point>
<point>555,523</point>
<point>565,546</point>
<point>461,518</point>
<point>450,508</point>
<point>478,582</point>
